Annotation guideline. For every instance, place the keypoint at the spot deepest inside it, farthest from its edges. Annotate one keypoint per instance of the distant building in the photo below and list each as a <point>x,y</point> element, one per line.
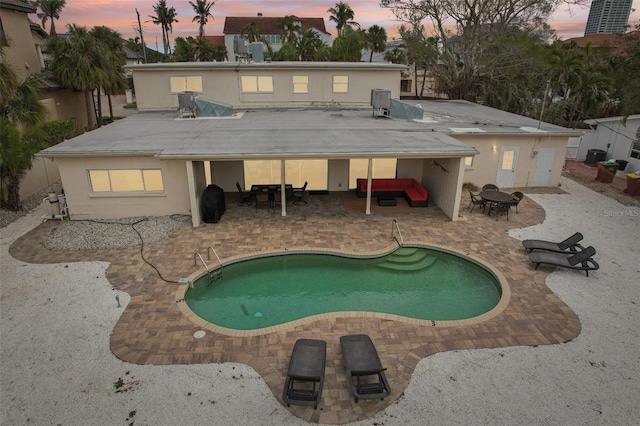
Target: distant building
<point>608,17</point>
<point>270,28</point>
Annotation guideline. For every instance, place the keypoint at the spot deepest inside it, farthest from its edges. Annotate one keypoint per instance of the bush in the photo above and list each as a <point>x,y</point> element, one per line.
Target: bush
<point>470,186</point>
<point>54,132</point>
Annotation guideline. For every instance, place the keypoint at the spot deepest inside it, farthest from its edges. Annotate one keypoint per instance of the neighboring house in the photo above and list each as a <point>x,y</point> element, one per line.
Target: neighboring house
<point>617,137</point>
<point>22,42</point>
<point>270,28</point>
<point>154,163</point>
<point>617,42</point>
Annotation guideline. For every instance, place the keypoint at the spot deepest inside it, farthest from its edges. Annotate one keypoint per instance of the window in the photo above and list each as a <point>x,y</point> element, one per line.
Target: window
<point>381,168</point>
<point>635,150</point>
<point>468,161</point>
<point>127,180</point>
<point>186,84</point>
<point>300,84</point>
<point>405,85</point>
<point>340,84</point>
<point>257,84</point>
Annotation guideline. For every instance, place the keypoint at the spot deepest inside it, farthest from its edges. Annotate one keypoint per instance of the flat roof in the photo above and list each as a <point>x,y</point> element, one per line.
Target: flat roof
<point>301,133</point>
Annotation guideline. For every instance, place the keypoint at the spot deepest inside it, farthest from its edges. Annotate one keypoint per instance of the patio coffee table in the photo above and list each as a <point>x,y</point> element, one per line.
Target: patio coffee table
<point>387,201</point>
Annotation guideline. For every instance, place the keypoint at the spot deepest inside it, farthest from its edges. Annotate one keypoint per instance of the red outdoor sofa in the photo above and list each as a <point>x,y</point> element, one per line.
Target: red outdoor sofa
<point>410,189</point>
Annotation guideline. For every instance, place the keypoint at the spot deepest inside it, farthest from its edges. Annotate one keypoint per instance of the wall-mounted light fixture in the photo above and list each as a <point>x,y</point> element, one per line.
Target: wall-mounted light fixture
<point>494,148</point>
<point>534,153</point>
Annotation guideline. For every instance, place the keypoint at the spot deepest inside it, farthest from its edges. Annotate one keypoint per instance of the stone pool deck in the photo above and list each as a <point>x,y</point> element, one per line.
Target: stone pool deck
<point>154,330</point>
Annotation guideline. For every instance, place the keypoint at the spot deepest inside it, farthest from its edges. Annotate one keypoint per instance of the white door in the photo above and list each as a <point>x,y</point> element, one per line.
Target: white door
<point>507,166</point>
<point>544,165</point>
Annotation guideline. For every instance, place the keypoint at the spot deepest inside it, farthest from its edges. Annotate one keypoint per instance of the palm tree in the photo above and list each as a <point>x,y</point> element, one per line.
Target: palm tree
<point>251,31</point>
<point>290,28</point>
<point>308,44</point>
<point>202,10</point>
<point>377,38</point>
<point>220,52</point>
<point>50,10</point>
<point>19,100</point>
<point>342,15</point>
<point>88,61</point>
<point>19,104</point>
<point>115,81</point>
<point>396,56</point>
<point>165,17</point>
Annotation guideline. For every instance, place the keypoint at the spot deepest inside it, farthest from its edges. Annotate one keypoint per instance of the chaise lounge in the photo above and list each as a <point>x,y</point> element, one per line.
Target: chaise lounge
<point>410,189</point>
<point>305,375</point>
<point>569,245</point>
<point>364,371</point>
<point>581,260</point>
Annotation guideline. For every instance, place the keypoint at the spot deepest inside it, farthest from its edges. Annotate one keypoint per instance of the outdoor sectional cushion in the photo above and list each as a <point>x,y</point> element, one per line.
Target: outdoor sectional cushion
<point>410,189</point>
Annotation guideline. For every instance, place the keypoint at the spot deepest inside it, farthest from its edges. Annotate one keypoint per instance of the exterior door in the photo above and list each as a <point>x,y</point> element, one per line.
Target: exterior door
<point>544,165</point>
<point>507,166</point>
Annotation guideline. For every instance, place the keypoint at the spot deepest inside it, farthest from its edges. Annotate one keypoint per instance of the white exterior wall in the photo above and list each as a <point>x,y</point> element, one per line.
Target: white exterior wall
<point>221,82</point>
<point>614,137</point>
<point>441,177</point>
<point>83,204</point>
<point>485,165</point>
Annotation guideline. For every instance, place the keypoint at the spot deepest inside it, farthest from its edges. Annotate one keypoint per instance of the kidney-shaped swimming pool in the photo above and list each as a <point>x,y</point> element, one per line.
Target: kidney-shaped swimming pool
<point>411,282</point>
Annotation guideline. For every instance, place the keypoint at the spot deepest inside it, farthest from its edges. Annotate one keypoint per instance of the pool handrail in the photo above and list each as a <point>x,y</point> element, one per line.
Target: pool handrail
<point>396,227</point>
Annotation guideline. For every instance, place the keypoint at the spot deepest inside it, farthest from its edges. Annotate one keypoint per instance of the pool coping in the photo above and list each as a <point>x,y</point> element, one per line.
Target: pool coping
<point>505,297</point>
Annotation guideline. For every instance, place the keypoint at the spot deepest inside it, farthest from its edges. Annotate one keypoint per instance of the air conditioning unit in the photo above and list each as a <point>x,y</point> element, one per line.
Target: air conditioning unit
<point>240,46</point>
<point>381,99</point>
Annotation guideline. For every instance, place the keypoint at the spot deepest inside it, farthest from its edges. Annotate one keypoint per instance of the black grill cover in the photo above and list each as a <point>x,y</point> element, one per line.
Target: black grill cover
<point>213,205</point>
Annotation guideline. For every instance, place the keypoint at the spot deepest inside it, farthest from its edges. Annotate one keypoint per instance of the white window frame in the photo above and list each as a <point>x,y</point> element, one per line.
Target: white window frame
<point>107,187</point>
<point>188,83</point>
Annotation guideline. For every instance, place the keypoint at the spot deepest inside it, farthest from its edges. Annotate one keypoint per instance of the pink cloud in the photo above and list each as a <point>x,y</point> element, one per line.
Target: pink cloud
<point>120,15</point>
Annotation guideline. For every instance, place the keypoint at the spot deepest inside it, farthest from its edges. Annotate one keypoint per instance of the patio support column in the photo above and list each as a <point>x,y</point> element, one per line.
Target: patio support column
<point>193,198</point>
<point>283,193</point>
<point>369,173</point>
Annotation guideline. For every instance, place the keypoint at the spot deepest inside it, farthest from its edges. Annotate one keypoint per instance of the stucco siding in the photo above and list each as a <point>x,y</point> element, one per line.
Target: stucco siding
<point>85,204</point>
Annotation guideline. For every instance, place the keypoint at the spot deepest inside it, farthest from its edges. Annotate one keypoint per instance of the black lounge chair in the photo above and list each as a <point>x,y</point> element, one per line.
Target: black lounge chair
<point>581,260</point>
<point>305,376</point>
<point>570,245</point>
<point>362,363</point>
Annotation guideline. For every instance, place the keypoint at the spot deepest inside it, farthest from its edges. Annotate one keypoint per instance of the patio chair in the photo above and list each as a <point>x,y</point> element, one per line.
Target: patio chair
<point>305,375</point>
<point>364,371</point>
<point>582,260</point>
<point>570,245</point>
<point>476,200</point>
<point>490,187</point>
<point>501,209</point>
<point>517,196</point>
<point>299,194</point>
<point>246,199</point>
<point>262,199</point>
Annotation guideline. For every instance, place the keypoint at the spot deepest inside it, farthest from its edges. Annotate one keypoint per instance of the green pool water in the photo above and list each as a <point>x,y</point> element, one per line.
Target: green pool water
<point>411,282</point>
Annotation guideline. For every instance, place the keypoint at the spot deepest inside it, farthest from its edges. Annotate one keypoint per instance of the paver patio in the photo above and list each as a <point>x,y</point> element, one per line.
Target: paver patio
<point>154,330</point>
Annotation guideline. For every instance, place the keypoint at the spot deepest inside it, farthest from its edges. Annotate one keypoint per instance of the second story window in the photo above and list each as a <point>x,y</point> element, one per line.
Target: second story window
<point>340,84</point>
<point>300,84</point>
<point>257,83</point>
<point>186,84</point>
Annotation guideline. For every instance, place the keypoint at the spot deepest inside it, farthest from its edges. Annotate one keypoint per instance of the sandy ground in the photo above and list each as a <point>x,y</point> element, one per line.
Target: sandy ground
<point>57,368</point>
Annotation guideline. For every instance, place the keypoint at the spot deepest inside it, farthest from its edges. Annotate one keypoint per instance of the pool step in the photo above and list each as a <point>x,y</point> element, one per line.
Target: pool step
<point>408,259</point>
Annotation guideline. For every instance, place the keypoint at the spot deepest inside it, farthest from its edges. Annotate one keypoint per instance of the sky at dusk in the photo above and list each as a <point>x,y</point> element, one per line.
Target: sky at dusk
<point>120,15</point>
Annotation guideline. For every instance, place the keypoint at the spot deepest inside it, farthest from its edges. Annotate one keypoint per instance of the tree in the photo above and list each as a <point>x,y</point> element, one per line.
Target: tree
<point>50,9</point>
<point>202,8</point>
<point>88,61</point>
<point>348,48</point>
<point>461,62</point>
<point>343,16</point>
<point>219,52</point>
<point>19,100</point>
<point>251,32</point>
<point>291,28</point>
<point>165,17</point>
<point>395,56</point>
<point>377,38</point>
<point>19,105</point>
<point>308,44</point>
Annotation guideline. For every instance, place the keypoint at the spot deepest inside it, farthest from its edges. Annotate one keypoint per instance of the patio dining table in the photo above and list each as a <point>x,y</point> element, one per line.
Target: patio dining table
<point>271,189</point>
<point>495,197</point>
